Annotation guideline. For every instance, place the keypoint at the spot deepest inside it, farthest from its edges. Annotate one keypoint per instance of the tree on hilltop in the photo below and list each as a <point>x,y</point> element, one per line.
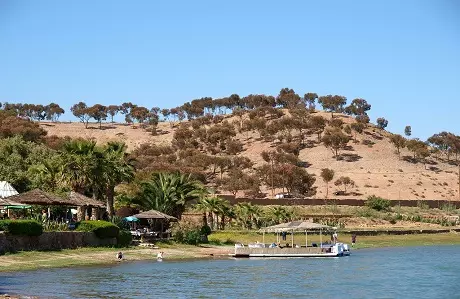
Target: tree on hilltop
<point>358,107</point>
<point>98,112</point>
<point>81,111</point>
<point>408,131</point>
<point>332,103</point>
<point>310,98</point>
<point>112,110</point>
<point>382,123</point>
<point>287,98</point>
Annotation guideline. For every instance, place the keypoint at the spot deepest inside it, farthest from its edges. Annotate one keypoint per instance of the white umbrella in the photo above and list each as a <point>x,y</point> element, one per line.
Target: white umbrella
<point>6,190</point>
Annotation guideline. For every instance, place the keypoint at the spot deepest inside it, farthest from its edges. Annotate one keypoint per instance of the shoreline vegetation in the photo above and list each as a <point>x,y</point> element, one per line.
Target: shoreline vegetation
<point>220,246</point>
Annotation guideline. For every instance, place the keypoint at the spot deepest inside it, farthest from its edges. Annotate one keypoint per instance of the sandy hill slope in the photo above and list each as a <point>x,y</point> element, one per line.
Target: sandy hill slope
<point>371,162</point>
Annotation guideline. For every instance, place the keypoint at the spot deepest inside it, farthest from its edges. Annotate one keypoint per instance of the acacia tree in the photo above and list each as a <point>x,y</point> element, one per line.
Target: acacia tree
<point>335,140</point>
<point>358,128</point>
<point>358,107</point>
<point>317,123</point>
<point>53,112</point>
<point>140,114</point>
<point>81,111</point>
<point>345,182</point>
<point>310,98</point>
<point>113,110</point>
<point>399,142</point>
<point>98,112</point>
<point>332,103</point>
<point>408,131</point>
<point>327,175</point>
<point>382,123</point>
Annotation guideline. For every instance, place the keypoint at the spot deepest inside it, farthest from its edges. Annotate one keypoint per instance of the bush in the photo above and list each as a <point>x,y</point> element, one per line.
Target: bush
<point>378,203</point>
<point>102,229</point>
<point>189,233</point>
<point>21,227</point>
<point>124,238</point>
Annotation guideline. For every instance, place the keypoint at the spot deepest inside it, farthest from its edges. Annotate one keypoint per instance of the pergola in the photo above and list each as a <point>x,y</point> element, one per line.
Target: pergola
<point>296,226</point>
<point>155,215</point>
<point>39,197</point>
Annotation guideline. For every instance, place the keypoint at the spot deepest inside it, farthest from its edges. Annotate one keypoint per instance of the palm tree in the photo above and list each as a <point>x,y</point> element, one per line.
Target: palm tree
<point>79,165</point>
<point>248,214</point>
<point>169,192</point>
<point>280,214</point>
<point>117,168</point>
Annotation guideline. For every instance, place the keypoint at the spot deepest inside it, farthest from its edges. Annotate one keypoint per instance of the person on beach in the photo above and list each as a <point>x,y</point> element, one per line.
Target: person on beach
<point>353,240</point>
<point>120,256</point>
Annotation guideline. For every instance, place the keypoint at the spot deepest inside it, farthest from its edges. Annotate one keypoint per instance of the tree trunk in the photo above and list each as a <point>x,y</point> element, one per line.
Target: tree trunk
<point>327,189</point>
<point>109,203</point>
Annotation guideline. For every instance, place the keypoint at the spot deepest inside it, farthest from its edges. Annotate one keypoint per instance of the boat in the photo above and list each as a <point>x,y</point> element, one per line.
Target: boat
<point>321,249</point>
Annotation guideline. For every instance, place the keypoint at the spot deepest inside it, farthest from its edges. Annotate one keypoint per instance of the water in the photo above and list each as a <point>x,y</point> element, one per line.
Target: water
<point>412,272</point>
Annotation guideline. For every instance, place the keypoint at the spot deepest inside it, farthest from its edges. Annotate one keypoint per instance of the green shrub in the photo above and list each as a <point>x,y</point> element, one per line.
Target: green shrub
<point>124,238</point>
<point>21,227</point>
<point>189,233</point>
<point>205,230</point>
<point>378,203</point>
<point>102,229</point>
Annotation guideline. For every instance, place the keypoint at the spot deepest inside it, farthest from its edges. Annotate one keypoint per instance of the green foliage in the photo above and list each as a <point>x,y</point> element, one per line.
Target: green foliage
<point>124,238</point>
<point>53,226</point>
<point>205,230</point>
<point>21,227</point>
<point>188,233</point>
<point>102,229</point>
<point>169,192</point>
<point>378,203</point>
<point>16,157</point>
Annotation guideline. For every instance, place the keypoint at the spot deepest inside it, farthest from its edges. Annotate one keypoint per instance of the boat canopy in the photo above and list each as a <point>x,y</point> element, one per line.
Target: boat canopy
<point>296,226</point>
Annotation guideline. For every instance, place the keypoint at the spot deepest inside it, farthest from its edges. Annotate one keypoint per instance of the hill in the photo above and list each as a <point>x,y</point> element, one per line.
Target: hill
<point>369,159</point>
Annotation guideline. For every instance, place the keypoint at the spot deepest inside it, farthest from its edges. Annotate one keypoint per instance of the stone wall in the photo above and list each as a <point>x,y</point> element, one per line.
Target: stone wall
<point>52,241</point>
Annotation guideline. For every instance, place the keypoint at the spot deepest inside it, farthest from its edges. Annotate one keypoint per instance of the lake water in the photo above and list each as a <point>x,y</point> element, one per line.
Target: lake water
<point>411,272</point>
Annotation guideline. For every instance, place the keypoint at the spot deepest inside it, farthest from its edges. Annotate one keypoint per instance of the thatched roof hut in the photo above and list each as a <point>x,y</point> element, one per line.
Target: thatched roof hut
<point>154,214</point>
<point>82,200</point>
<point>39,197</point>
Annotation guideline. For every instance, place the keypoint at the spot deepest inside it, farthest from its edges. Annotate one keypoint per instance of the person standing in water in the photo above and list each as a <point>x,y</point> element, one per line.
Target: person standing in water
<point>160,256</point>
<point>120,256</point>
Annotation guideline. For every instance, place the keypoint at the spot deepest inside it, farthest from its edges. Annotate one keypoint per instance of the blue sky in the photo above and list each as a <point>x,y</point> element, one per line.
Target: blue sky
<point>401,56</point>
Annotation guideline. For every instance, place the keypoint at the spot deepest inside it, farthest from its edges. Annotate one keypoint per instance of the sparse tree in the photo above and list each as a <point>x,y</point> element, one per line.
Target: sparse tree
<point>332,103</point>
<point>327,175</point>
<point>344,181</point>
<point>112,110</point>
<point>81,111</point>
<point>408,131</point>
<point>335,140</point>
<point>399,142</point>
<point>382,123</point>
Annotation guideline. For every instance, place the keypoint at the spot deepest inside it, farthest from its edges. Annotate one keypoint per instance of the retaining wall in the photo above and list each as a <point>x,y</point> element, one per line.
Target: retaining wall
<point>345,202</point>
<point>52,241</point>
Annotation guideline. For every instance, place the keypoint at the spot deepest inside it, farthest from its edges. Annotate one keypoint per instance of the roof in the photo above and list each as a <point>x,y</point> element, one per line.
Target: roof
<point>6,190</point>
<point>10,203</point>
<point>296,226</point>
<point>82,200</point>
<point>154,214</point>
<point>39,197</point>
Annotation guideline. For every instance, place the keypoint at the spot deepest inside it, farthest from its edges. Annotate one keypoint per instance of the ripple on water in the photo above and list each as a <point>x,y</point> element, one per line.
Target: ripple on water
<point>412,272</point>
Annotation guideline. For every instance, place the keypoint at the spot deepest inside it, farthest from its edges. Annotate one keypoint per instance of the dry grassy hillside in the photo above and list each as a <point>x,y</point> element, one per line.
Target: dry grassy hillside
<point>374,166</point>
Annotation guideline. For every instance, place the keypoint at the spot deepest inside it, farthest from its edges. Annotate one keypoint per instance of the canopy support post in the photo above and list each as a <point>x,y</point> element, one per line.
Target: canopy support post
<point>292,238</point>
<point>321,238</point>
<point>306,239</point>
<point>263,237</point>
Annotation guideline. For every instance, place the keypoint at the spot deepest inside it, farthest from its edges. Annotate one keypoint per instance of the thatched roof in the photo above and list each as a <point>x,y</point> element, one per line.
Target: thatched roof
<point>81,200</point>
<point>39,197</point>
<point>9,203</point>
<point>296,226</point>
<point>154,214</point>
